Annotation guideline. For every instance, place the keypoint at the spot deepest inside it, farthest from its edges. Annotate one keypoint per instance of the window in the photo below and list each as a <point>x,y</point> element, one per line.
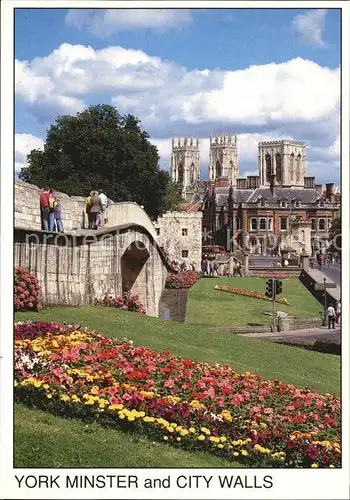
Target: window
<point>184,232</point>
<point>322,224</point>
<point>184,254</point>
<point>282,204</point>
<point>157,231</point>
<point>261,202</point>
<point>329,223</point>
<point>253,224</point>
<point>270,224</point>
<point>313,224</point>
<point>238,223</point>
<point>297,203</point>
<point>283,223</point>
<point>262,223</point>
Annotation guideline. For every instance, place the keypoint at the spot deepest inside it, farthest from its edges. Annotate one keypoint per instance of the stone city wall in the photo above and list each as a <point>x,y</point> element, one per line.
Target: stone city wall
<point>73,271</point>
<point>174,242</point>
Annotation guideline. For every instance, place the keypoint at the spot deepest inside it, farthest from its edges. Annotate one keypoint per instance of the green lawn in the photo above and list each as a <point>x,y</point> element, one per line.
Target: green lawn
<point>44,440</point>
<point>207,306</point>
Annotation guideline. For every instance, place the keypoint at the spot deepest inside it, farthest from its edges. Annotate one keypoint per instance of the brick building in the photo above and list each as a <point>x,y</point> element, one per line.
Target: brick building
<point>279,208</point>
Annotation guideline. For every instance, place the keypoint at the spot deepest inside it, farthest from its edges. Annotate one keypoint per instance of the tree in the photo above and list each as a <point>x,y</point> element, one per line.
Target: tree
<point>335,235</point>
<point>100,149</point>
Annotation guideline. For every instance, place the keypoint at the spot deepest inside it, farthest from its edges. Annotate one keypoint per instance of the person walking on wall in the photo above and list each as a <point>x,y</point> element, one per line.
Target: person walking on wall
<point>104,201</point>
<point>96,209</point>
<point>52,203</point>
<point>58,216</point>
<point>88,208</point>
<point>44,208</point>
<point>331,317</point>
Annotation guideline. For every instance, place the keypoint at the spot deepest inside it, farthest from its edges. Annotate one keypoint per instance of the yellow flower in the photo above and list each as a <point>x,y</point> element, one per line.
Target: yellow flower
<point>64,397</point>
<point>314,466</point>
<point>220,445</point>
<point>46,386</point>
<point>165,438</point>
<point>94,390</point>
<point>192,430</point>
<point>223,439</point>
<point>178,439</point>
<point>205,431</point>
<point>235,453</point>
<point>331,466</point>
<point>49,396</point>
<point>201,437</point>
<point>244,453</point>
<point>148,419</point>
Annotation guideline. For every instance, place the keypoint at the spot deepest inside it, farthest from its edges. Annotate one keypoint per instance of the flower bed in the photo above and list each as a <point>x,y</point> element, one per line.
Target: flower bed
<point>127,302</point>
<point>197,406</point>
<point>27,291</point>
<point>249,293</point>
<point>182,279</point>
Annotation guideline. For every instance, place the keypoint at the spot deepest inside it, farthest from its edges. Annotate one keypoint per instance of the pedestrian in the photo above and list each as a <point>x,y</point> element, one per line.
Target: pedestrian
<point>238,269</point>
<point>58,216</point>
<point>44,208</point>
<point>88,208</point>
<point>52,204</point>
<point>338,312</point>
<point>331,317</point>
<point>96,209</point>
<point>104,201</point>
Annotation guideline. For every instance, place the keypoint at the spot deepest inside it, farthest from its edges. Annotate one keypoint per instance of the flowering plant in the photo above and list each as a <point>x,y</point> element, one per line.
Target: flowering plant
<point>183,279</point>
<point>249,293</point>
<point>264,423</point>
<point>127,302</point>
<point>27,291</point>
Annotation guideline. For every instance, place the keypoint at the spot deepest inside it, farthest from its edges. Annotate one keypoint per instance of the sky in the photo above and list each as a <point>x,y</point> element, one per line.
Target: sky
<point>263,74</point>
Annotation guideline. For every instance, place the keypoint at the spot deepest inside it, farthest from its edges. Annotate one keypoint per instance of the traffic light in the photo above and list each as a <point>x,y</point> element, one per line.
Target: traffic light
<point>278,287</point>
<point>269,288</point>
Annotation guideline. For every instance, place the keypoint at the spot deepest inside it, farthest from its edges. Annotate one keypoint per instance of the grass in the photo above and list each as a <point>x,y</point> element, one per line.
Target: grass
<point>45,440</point>
<point>207,306</point>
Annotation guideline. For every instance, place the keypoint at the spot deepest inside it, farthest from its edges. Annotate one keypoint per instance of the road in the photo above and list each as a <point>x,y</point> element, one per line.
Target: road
<point>308,336</point>
<point>333,273</point>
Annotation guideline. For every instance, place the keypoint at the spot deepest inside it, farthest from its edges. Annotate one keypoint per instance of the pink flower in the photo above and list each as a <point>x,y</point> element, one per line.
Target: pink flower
<point>169,383</point>
<point>127,397</point>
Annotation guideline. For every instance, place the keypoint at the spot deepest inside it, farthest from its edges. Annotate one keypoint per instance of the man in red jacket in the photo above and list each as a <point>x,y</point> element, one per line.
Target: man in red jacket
<point>44,208</point>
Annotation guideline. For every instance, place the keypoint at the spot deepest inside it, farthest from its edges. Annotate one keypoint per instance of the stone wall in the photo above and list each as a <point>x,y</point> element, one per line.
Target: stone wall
<point>73,271</point>
<point>27,211</point>
<point>170,228</point>
<point>27,208</point>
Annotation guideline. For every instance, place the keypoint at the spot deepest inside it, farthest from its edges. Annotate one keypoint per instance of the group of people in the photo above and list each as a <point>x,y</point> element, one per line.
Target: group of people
<point>183,266</point>
<point>333,314</point>
<point>51,211</point>
<point>210,267</point>
<point>96,206</point>
<point>325,259</point>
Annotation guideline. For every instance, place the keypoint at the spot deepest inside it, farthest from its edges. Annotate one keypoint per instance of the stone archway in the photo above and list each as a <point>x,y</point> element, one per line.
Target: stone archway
<point>181,174</point>
<point>218,170</point>
<point>134,270</point>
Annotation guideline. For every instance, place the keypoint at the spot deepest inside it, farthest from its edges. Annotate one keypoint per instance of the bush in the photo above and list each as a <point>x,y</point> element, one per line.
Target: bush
<point>183,279</point>
<point>34,329</point>
<point>127,302</point>
<point>27,291</point>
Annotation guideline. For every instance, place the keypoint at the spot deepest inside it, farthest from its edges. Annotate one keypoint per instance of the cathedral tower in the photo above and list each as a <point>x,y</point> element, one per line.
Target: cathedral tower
<point>223,158</point>
<point>284,159</point>
<point>185,166</point>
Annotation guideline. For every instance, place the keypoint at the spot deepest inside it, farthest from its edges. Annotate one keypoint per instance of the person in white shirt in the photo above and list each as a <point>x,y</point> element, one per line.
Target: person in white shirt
<point>331,317</point>
<point>104,202</point>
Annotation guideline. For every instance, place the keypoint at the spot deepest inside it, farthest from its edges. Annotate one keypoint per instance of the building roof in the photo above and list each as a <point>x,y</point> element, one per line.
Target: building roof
<point>304,195</point>
<point>193,207</point>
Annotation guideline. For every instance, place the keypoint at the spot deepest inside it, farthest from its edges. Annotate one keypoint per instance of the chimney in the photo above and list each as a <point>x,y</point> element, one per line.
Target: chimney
<point>273,185</point>
<point>319,188</point>
<point>309,182</point>
<point>330,191</point>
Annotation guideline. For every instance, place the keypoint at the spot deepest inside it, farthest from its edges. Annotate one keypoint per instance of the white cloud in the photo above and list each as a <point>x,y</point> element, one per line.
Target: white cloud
<point>309,27</point>
<point>24,143</point>
<point>295,99</point>
<point>104,23</point>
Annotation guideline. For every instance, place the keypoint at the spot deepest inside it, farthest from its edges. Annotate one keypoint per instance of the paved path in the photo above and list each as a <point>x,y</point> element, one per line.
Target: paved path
<point>308,336</point>
<point>332,273</point>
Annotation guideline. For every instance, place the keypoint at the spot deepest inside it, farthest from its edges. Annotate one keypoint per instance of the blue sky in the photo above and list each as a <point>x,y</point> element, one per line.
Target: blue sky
<point>261,73</point>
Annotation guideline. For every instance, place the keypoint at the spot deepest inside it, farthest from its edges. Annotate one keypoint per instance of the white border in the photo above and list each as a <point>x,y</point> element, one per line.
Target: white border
<point>288,484</point>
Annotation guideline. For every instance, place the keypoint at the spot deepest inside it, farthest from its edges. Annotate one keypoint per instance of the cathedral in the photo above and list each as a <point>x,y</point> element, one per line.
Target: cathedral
<point>280,201</point>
